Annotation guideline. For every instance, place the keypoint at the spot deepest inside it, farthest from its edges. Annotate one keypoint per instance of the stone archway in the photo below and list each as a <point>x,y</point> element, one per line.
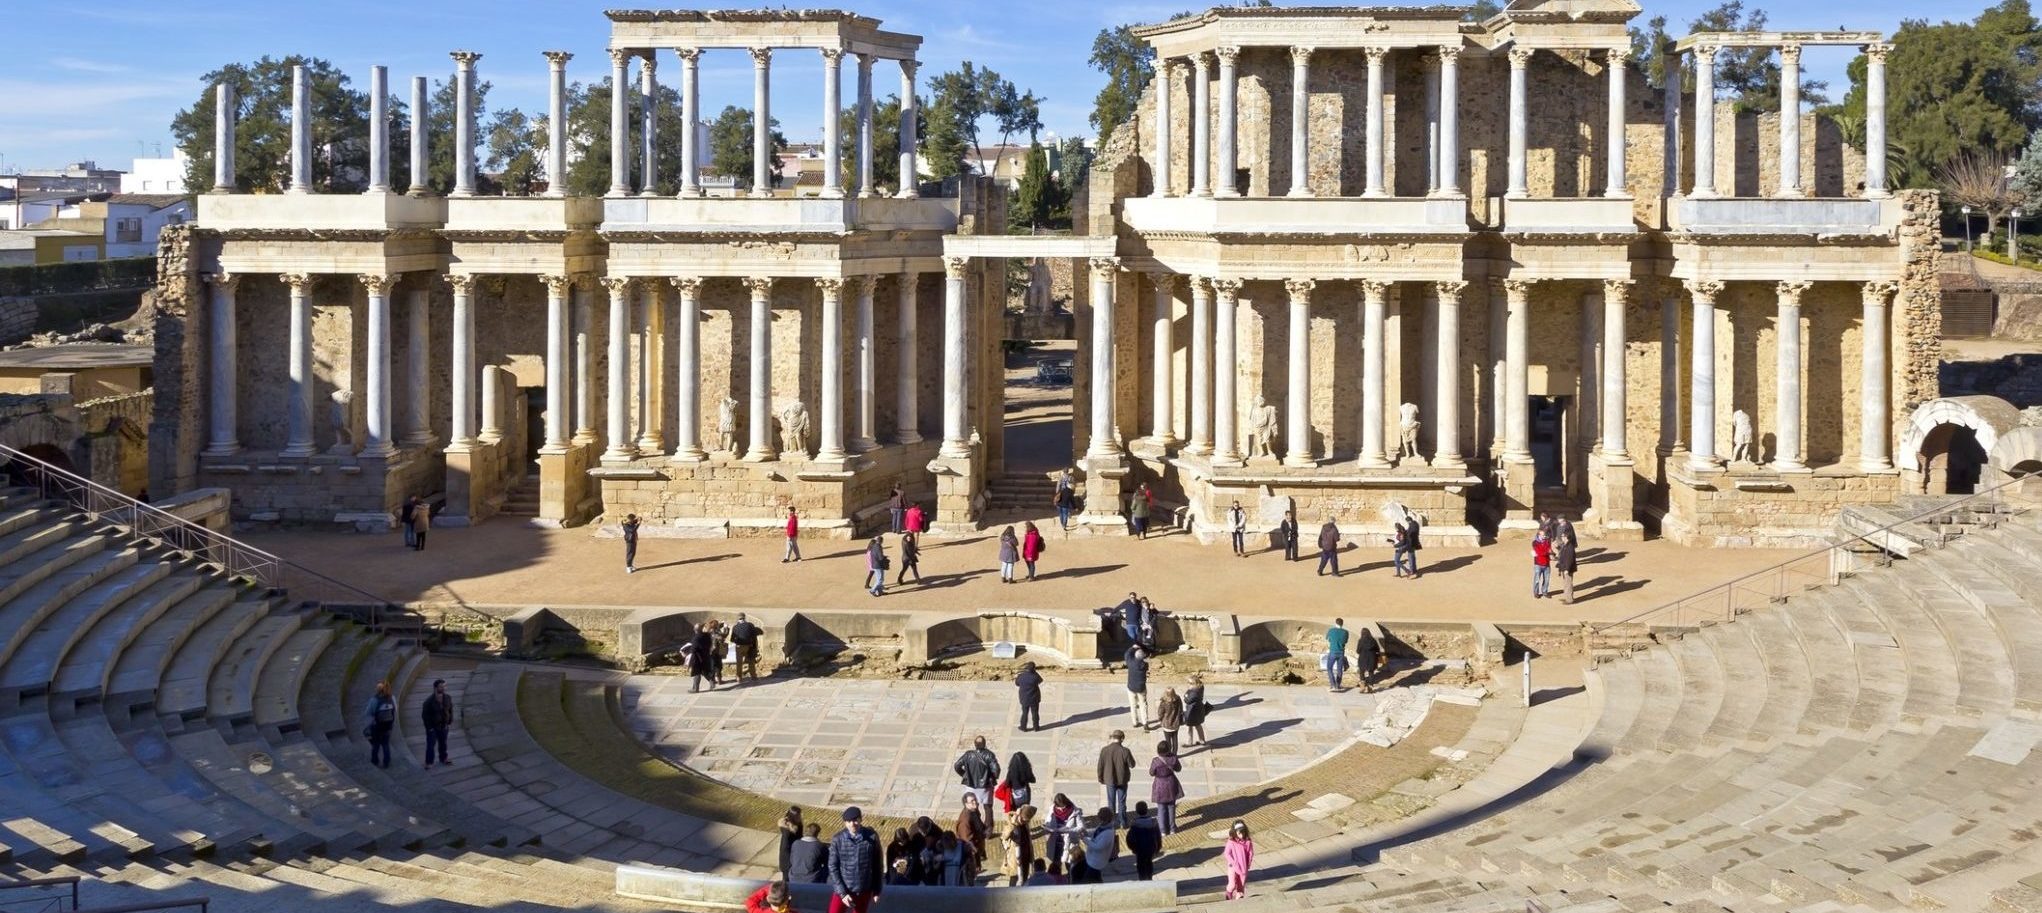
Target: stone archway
<point>2018,453</point>
<point>1949,441</point>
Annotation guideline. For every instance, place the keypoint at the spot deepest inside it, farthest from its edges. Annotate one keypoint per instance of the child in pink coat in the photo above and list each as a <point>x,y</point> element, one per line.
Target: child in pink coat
<point>1240,856</point>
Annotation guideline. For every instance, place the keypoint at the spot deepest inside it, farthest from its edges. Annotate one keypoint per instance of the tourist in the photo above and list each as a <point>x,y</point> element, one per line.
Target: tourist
<point>979,770</point>
<point>1116,763</point>
<point>702,659</point>
<point>956,855</point>
<point>719,649</point>
<point>1368,654</point>
<point>1031,546</point>
<point>1102,844</point>
<point>1028,688</point>
<point>793,552</point>
<point>1064,827</point>
<point>790,834</point>
<point>1019,845</point>
<point>1237,526</point>
<point>902,853</point>
<point>438,716</point>
<point>404,520</point>
<point>808,861</point>
<point>1010,553</point>
<point>1145,841</point>
<point>630,543</point>
<point>382,714</point>
<point>1164,788</point>
<point>1041,876</point>
<point>746,636</point>
<point>1130,613</point>
<point>1405,555</point>
<point>1542,566</point>
<point>1066,500</point>
<point>875,566</point>
<point>1138,686</point>
<point>973,825</point>
<point>1288,532</point>
<point>1195,709</point>
<point>1170,716</point>
<point>854,865</point>
<point>1240,857</point>
<point>897,505</point>
<point>1020,779</point>
<point>910,558</point>
<point>900,873</point>
<point>1329,548</point>
<point>1336,654</point>
<point>772,897</point>
<point>913,520</point>
<point>421,521</point>
<point>1564,564</point>
<point>930,840</point>
<point>1138,506</point>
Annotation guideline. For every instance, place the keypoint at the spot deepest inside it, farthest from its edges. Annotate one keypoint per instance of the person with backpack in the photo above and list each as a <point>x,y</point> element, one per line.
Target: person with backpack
<point>382,714</point>
<point>1145,841</point>
<point>1028,688</point>
<point>1066,499</point>
<point>438,717</point>
<point>875,566</point>
<point>1031,546</point>
<point>1139,505</point>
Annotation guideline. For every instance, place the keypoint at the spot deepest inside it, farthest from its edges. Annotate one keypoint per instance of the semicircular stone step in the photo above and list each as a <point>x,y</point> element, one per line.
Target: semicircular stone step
<point>34,663</point>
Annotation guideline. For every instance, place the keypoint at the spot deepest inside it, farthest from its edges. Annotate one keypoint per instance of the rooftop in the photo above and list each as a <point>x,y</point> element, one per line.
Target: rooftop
<point>78,356</point>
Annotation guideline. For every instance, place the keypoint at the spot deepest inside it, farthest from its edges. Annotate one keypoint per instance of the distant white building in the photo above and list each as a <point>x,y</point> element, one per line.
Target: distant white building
<point>156,175</point>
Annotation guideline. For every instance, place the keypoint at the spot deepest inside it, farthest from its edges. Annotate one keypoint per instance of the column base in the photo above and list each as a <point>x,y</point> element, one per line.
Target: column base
<point>651,446</point>
<point>1297,461</point>
<point>688,455</point>
<point>615,457</point>
<point>224,449</point>
<point>1781,466</point>
<point>462,446</point>
<point>555,449</point>
<point>1374,194</point>
<point>1518,194</point>
<point>864,445</point>
<point>300,451</point>
<point>830,456</point>
<point>1196,448</point>
<point>423,442</point>
<point>1230,460</point>
<point>831,193</point>
<point>1878,466</point>
<point>377,452</point>
<point>907,436</point>
<point>1880,194</point>
<point>1301,192</point>
<point>760,455</point>
<point>583,438</point>
<point>1371,461</point>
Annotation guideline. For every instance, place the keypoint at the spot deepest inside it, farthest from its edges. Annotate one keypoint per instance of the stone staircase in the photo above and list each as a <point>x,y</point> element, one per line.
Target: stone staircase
<point>523,501</point>
<point>1029,494</point>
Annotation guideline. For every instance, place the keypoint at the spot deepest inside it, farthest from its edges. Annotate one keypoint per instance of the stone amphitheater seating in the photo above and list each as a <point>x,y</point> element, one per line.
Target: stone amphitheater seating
<point>168,732</point>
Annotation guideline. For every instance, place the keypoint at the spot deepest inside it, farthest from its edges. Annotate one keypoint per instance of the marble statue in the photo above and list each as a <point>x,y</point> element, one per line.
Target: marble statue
<point>726,425</point>
<point>1740,436</point>
<point>1262,422</point>
<point>1407,428</point>
<point>342,414</point>
<point>794,429</point>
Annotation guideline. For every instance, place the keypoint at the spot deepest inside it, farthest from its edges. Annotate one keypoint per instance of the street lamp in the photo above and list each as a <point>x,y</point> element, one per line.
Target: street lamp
<point>1966,210</point>
<point>2013,234</point>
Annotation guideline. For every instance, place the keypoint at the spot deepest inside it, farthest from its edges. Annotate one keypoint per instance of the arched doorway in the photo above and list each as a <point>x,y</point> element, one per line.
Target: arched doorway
<point>1952,459</point>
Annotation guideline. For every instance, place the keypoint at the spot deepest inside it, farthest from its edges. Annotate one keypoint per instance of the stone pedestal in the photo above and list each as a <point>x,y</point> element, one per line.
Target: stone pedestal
<point>960,486</point>
<point>566,496</point>
<point>1518,498</point>
<point>1611,489</point>
<point>473,487</point>
<point>1102,486</point>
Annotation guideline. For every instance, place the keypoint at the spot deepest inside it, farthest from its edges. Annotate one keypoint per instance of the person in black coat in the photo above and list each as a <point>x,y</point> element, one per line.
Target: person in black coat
<point>1367,654</point>
<point>1028,687</point>
<point>702,659</point>
<point>438,717</point>
<point>808,861</point>
<point>1288,531</point>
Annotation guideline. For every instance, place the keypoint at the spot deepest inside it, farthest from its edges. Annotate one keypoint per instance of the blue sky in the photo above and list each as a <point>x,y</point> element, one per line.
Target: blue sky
<point>101,79</point>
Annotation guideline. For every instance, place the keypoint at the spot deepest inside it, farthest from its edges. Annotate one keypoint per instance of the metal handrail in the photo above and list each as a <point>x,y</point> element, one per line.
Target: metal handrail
<point>55,903</point>
<point>1775,589</point>
<point>203,903</point>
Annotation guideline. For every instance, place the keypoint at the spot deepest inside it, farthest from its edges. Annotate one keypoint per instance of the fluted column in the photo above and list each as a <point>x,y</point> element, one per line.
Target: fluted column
<point>226,110</point>
<point>1520,65</point>
<point>1300,121</point>
<point>1450,121</point>
<point>298,409</point>
<point>1201,367</point>
<point>1298,393</point>
<point>1670,433</point>
<point>865,150</point>
<point>865,369</point>
<point>379,130</point>
<point>907,418</point>
<point>464,123</point>
<point>584,364</point>
<point>688,392</point>
<point>1702,377</point>
<point>421,110</point>
<point>832,332</point>
<point>1446,415</point>
<point>1875,120</point>
<point>418,369</point>
<point>762,123</point>
<point>691,116</point>
<point>376,442</point>
<point>492,416</point>
<point>1875,432</point>
<point>558,288</point>
<point>1705,122</point>
<point>556,122</point>
<point>1517,371</point>
<point>620,122</point>
<point>301,131</point>
<point>1373,148</point>
<point>648,120</point>
<point>1790,122</point>
<point>651,369</point>
<point>1616,297</point>
<point>461,393</point>
<point>1787,382</point>
<point>1164,129</point>
<point>1499,368</point>
<point>832,121</point>
<point>1224,185</point>
<point>910,177</point>
<point>1226,440</point>
<point>617,431</point>
<point>1103,351</point>
<point>1615,128</point>
<point>1375,306</point>
<point>759,421</point>
<point>1201,125</point>
<point>224,376</point>
<point>1159,356</point>
<point>956,442</point>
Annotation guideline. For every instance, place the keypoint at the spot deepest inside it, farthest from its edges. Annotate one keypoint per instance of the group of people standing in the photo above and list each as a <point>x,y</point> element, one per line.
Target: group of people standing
<point>714,644</point>
<point>1553,554</point>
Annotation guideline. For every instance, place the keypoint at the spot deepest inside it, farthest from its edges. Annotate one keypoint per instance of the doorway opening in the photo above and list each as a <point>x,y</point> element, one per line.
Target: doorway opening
<point>1036,426</point>
<point>1953,460</point>
<point>1549,417</point>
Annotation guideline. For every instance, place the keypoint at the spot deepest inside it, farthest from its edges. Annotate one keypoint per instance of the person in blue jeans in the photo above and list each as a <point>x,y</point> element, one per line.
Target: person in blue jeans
<point>1066,500</point>
<point>1336,653</point>
<point>1116,764</point>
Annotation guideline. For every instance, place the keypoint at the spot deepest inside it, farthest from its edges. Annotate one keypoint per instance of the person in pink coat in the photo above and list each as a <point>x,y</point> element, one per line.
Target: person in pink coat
<point>1031,547</point>
<point>1240,857</point>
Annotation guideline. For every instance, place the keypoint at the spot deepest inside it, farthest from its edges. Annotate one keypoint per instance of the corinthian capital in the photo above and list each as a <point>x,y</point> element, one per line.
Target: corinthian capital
<point>1227,54</point>
<point>761,56</point>
<point>465,59</point>
<point>462,283</point>
<point>1705,290</point>
<point>953,267</point>
<point>831,286</point>
<point>1300,56</point>
<point>1228,289</point>
<point>1104,267</point>
<point>761,286</point>
<point>1374,289</point>
<point>1617,290</point>
<point>618,285</point>
<point>1878,294</point>
<point>833,55</point>
<point>377,283</point>
<point>558,58</point>
<point>1299,289</point>
<point>223,280</point>
<point>687,285</point>
<point>1518,289</point>
<point>1877,52</point>
<point>1450,290</point>
<point>1520,57</point>
<point>557,285</point>
<point>1790,54</point>
<point>300,283</point>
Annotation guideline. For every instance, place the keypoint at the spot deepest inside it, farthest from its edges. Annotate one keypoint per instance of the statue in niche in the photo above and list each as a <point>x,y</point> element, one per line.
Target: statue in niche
<point>794,430</point>
<point>1262,423</point>
<point>342,415</point>
<point>726,425</point>
<point>1740,437</point>
<point>1407,430</point>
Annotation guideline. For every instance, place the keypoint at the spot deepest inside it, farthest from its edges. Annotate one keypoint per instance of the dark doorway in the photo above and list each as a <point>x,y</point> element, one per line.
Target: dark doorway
<point>535,422</point>
<point>1549,416</point>
<point>1953,459</point>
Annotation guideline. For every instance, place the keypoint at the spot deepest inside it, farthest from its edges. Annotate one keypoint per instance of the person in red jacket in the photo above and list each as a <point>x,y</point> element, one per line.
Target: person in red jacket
<point>1542,566</point>
<point>771,897</point>
<point>1031,547</point>
<point>793,537</point>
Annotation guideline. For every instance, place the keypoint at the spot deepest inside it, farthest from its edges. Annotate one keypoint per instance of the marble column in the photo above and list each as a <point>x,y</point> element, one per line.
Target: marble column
<point>1787,456</point>
<point>648,124</point>
<point>224,374</point>
<point>620,123</point>
<point>1373,148</point>
<point>617,431</point>
<point>865,368</point>
<point>1669,155</point>
<point>492,415</point>
<point>1616,297</point>
<point>1223,182</point>
<point>1201,367</point>
<point>1585,413</point>
<point>865,150</point>
<point>1520,65</point>
<point>298,409</point>
<point>226,110</point>
<point>688,392</point>
<point>759,419</point>
<point>1226,406</point>
<point>1617,147</point>
<point>762,124</point>
<point>832,120</point>
<point>1875,120</point>
<point>910,177</point>
<point>376,441</point>
<point>1875,441</point>
<point>1160,168</point>
<point>418,369</point>
<point>831,328</point>
<point>1429,63</point>
<point>1702,377</point>
<point>558,288</point>
<point>379,130</point>
<point>1160,353</point>
<point>1450,121</point>
<point>461,389</point>
<point>1300,121</point>
<point>1103,350</point>
<point>1499,368</point>
<point>421,110</point>
<point>464,123</point>
<point>1705,123</point>
<point>1375,304</point>
<point>691,116</point>
<point>651,369</point>
<point>907,418</point>
<point>584,364</point>
<point>556,118</point>
<point>1670,437</point>
<point>301,131</point>
<point>1446,417</point>
<point>1201,125</point>
<point>1297,432</point>
<point>956,437</point>
<point>1517,371</point>
<point>1790,122</point>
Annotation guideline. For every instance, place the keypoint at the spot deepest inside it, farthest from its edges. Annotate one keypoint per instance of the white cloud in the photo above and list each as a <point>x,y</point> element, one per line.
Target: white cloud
<point>84,99</point>
<point>80,65</point>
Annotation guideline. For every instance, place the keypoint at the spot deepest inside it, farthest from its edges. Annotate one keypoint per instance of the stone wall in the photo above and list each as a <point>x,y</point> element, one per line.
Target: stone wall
<point>1917,309</point>
<point>1766,514</point>
<point>177,426</point>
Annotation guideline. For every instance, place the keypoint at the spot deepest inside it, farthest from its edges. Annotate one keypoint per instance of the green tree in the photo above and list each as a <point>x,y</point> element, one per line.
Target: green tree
<point>588,131</point>
<point>515,143</point>
<point>730,145</point>
<point>1750,77</point>
<point>944,143</point>
<point>969,94</point>
<point>1648,48</point>
<point>262,141</point>
<point>1039,197</point>
<point>439,135</point>
<point>1020,113</point>
<point>1482,10</point>
<point>1129,63</point>
<point>885,142</point>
